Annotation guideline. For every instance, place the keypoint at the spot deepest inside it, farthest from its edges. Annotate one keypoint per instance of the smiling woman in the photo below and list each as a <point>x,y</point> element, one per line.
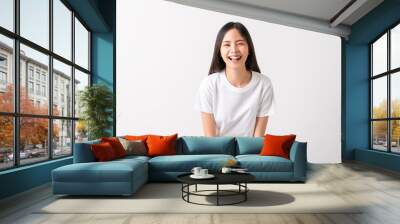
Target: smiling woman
<point>235,99</point>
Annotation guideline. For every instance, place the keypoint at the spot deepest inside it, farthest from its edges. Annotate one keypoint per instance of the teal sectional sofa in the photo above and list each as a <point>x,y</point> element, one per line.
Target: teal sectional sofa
<point>125,176</point>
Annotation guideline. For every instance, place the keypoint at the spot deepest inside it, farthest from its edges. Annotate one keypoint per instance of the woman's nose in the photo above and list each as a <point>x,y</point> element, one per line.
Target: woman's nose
<point>234,48</point>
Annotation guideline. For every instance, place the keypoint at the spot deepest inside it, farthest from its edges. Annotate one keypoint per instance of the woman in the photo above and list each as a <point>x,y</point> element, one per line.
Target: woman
<point>235,99</point>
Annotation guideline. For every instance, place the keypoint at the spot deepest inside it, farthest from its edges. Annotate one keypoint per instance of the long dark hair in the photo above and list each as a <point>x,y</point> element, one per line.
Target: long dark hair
<point>218,64</point>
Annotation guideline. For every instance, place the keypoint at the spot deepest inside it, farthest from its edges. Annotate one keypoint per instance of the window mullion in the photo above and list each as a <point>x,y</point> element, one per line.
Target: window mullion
<point>73,82</point>
<point>16,84</point>
<point>50,87</point>
<point>389,95</point>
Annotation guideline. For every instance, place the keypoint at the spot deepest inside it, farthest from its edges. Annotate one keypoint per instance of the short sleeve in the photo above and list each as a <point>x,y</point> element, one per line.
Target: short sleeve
<point>267,106</point>
<point>203,101</point>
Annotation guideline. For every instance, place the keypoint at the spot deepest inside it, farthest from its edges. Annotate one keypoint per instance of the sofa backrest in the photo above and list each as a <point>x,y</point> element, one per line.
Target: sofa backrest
<point>83,152</point>
<point>192,145</point>
<point>249,145</point>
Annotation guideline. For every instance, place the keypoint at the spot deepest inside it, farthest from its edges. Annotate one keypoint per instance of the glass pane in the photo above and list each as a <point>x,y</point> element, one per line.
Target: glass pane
<point>7,14</point>
<point>379,55</point>
<point>81,81</point>
<point>395,136</point>
<point>379,99</point>
<point>379,135</point>
<point>62,137</point>
<point>62,29</point>
<point>35,21</point>
<point>395,47</point>
<point>62,89</point>
<point>395,94</point>
<point>34,81</point>
<point>33,139</point>
<point>6,142</point>
<point>6,74</point>
<point>81,45</point>
<point>81,131</point>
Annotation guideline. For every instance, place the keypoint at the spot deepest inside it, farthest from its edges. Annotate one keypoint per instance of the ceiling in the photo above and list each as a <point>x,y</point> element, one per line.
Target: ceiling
<point>327,16</point>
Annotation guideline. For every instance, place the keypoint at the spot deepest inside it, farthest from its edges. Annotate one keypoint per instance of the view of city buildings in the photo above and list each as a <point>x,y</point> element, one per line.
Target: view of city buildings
<point>34,85</point>
<point>41,119</point>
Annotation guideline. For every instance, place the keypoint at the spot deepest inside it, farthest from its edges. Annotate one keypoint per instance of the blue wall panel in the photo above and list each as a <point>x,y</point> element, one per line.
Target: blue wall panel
<point>24,178</point>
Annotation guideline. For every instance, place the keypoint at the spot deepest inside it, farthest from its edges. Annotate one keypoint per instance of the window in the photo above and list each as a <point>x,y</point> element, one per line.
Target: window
<point>3,78</point>
<point>37,89</point>
<point>30,87</point>
<point>385,91</point>
<point>3,61</point>
<point>43,90</point>
<point>62,75</point>
<point>62,29</point>
<point>7,14</point>
<point>35,21</point>
<point>45,131</point>
<point>43,77</point>
<point>3,72</point>
<point>37,75</point>
<point>81,45</point>
<point>30,72</point>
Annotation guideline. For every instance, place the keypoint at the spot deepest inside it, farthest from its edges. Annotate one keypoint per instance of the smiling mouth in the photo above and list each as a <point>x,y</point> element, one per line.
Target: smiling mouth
<point>234,58</point>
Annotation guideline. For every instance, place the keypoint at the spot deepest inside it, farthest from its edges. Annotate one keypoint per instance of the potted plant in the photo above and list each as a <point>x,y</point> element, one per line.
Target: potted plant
<point>96,102</point>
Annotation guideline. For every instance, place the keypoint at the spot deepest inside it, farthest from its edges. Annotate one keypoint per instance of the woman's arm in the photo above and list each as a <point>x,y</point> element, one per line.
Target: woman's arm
<point>209,126</point>
<point>261,126</point>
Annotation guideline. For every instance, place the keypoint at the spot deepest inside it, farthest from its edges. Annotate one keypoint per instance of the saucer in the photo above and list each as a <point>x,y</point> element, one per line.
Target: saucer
<point>208,176</point>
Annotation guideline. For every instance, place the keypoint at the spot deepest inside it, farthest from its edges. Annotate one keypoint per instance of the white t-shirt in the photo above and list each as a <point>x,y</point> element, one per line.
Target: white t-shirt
<point>235,109</point>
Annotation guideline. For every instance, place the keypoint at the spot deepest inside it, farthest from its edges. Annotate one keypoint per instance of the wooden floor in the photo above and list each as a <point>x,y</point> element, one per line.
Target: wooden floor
<point>377,188</point>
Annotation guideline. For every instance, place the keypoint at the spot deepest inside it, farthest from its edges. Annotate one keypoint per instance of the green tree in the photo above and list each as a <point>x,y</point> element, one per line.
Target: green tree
<point>380,127</point>
<point>97,102</point>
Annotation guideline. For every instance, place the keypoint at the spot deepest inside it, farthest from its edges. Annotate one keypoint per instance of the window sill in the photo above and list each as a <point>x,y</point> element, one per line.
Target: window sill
<point>26,167</point>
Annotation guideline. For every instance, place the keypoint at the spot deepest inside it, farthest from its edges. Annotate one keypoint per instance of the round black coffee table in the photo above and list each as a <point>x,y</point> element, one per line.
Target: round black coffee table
<point>238,179</point>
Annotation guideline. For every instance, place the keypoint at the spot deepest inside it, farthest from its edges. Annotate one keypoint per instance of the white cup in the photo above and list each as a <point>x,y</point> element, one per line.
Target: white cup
<point>226,170</point>
<point>196,171</point>
<point>203,172</point>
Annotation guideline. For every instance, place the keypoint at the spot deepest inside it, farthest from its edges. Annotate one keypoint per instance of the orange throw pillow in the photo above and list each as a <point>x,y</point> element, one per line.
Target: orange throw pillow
<point>161,145</point>
<point>103,152</point>
<point>277,145</point>
<point>135,138</point>
<point>116,145</point>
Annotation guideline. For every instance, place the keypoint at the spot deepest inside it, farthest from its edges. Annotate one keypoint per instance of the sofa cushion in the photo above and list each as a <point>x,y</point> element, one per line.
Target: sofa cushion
<point>116,145</point>
<point>111,171</point>
<point>196,145</point>
<point>185,163</point>
<point>161,145</point>
<point>275,145</point>
<point>103,152</point>
<point>83,152</point>
<point>249,145</point>
<point>134,147</point>
<point>257,163</point>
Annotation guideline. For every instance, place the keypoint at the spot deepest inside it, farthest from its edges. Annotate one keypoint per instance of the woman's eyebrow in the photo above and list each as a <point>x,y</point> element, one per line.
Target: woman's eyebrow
<point>228,41</point>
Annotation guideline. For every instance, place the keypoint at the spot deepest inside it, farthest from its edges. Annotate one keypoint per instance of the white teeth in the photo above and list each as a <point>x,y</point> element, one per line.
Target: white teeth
<point>234,57</point>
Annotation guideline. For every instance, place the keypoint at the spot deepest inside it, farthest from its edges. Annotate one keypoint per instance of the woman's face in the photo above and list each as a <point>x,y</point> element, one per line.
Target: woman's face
<point>234,49</point>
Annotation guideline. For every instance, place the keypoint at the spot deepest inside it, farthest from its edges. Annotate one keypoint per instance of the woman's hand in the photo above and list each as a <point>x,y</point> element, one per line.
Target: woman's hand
<point>261,126</point>
<point>209,126</point>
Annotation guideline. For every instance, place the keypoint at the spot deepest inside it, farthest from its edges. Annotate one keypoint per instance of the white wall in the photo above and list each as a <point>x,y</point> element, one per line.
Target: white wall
<point>164,50</point>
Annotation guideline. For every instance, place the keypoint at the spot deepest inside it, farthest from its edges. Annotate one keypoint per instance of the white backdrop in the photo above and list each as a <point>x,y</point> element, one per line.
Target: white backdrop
<point>164,50</point>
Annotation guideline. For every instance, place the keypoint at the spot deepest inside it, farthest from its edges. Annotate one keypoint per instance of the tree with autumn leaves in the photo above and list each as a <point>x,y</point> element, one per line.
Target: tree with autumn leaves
<point>34,130</point>
<point>380,127</point>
